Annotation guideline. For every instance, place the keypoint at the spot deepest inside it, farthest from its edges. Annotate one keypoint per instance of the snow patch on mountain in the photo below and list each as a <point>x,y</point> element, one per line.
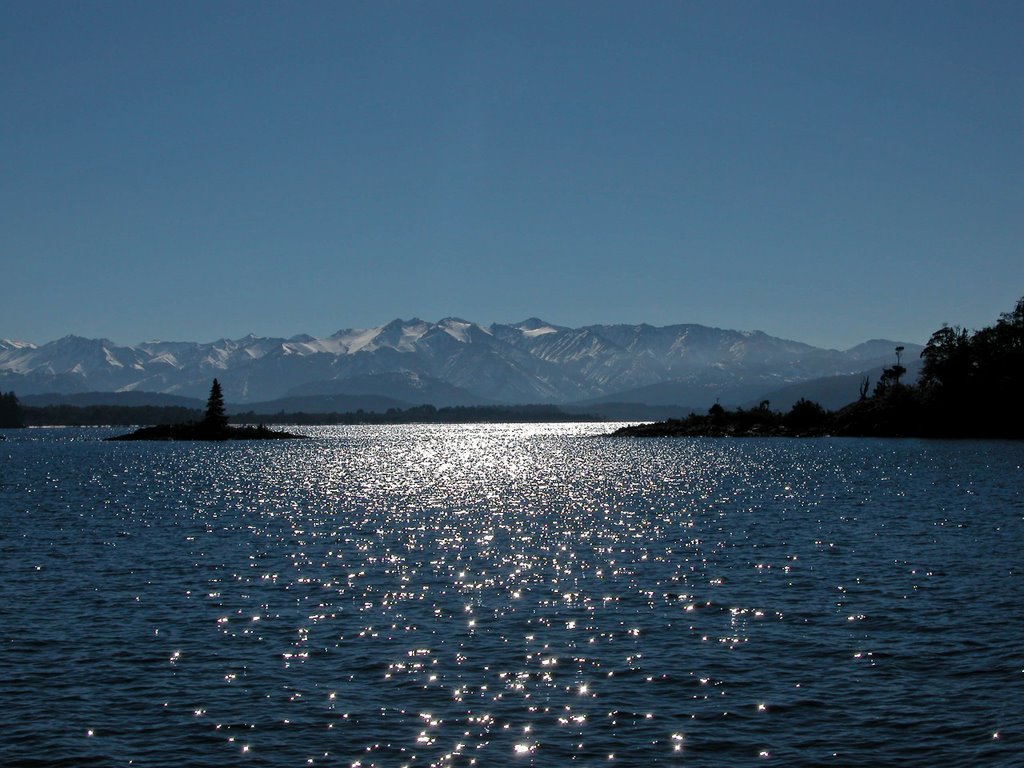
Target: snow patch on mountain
<point>111,359</point>
<point>6,344</point>
<point>354,341</point>
<point>459,330</point>
<point>534,332</point>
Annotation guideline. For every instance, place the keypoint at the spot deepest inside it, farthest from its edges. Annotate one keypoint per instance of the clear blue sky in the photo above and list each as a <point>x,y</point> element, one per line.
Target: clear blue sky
<point>827,172</point>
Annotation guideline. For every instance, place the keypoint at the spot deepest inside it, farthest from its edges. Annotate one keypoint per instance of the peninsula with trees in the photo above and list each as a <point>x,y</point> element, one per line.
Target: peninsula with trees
<point>213,427</point>
<point>971,385</point>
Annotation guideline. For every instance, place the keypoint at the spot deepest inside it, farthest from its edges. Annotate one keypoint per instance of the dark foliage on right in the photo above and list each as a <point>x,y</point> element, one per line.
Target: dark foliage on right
<point>971,385</point>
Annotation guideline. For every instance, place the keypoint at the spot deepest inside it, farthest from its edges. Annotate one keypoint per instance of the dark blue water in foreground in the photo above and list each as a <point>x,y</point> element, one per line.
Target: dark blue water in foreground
<point>510,595</point>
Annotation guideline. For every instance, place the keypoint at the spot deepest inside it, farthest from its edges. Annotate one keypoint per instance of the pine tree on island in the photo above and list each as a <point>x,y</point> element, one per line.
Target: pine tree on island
<point>216,420</point>
<point>213,427</point>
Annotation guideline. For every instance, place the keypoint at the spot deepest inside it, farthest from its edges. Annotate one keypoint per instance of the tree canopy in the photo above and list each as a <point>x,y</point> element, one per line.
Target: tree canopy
<point>975,381</point>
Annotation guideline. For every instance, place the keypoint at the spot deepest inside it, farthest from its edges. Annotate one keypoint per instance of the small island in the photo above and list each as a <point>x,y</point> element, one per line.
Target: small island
<point>213,427</point>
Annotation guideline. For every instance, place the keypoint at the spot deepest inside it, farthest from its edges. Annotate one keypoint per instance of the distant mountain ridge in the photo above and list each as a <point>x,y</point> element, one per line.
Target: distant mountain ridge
<point>449,362</point>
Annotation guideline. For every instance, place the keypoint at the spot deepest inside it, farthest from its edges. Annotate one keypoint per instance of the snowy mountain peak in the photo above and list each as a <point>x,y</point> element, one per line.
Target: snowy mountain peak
<point>460,330</point>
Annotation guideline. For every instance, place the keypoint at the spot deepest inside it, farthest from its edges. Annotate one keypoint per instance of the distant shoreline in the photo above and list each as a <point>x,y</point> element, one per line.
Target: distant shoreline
<point>129,416</point>
<point>684,428</point>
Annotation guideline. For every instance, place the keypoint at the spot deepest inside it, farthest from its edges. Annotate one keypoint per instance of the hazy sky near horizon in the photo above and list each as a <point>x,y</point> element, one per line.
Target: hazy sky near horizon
<point>826,172</point>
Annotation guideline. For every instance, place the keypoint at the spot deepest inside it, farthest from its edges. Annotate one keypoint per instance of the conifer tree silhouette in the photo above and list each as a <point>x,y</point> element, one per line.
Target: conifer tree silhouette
<point>216,419</point>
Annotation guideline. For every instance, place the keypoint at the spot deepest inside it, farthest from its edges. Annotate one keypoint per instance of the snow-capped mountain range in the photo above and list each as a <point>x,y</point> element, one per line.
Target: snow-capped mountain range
<point>528,362</point>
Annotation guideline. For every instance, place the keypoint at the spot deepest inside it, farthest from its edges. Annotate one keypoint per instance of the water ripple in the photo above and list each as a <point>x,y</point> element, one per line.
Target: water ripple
<point>510,595</point>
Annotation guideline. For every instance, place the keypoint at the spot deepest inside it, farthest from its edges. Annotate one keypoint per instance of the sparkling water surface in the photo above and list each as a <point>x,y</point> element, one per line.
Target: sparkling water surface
<point>510,595</point>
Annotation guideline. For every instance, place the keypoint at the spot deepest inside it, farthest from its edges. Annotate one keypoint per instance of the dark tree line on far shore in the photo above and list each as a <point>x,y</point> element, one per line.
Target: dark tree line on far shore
<point>133,415</point>
<point>107,415</point>
<point>805,418</point>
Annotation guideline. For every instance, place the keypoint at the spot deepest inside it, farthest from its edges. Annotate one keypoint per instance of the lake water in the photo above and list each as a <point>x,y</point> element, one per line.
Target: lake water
<point>521,595</point>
